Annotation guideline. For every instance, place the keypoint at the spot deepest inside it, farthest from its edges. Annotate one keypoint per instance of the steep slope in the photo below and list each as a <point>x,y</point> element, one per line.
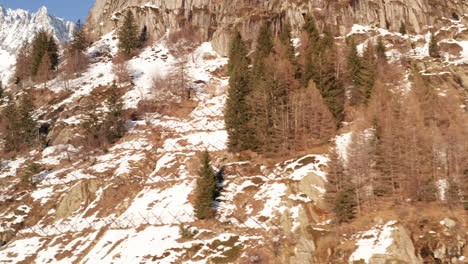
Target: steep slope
<point>132,201</point>
<point>19,26</point>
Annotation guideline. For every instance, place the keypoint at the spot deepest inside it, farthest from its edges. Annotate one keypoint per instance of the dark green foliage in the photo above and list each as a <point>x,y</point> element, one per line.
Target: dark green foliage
<point>264,42</point>
<point>286,39</point>
<point>42,44</point>
<point>91,123</point>
<point>362,73</point>
<point>143,36</point>
<point>21,129</point>
<point>380,49</point>
<point>403,30</point>
<point>335,178</point>
<point>79,41</point>
<point>29,128</point>
<point>311,28</point>
<point>128,39</point>
<point>434,47</point>
<point>368,71</point>
<point>325,77</point>
<point>206,189</point>
<point>52,51</point>
<point>186,232</point>
<point>10,115</point>
<point>114,122</point>
<point>345,205</point>
<point>238,112</point>
<point>30,169</point>
<point>1,89</point>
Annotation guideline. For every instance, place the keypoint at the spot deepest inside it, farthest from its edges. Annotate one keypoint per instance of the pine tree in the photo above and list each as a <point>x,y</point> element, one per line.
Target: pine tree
<point>381,49</point>
<point>262,87</point>
<point>345,204</point>
<point>128,39</point>
<point>368,71</point>
<point>238,111</point>
<point>91,123</point>
<point>325,75</point>
<point>143,36</point>
<point>355,69</point>
<point>52,51</point>
<point>286,40</point>
<point>43,43</point>
<point>114,123</point>
<point>311,49</point>
<point>79,40</point>
<point>206,189</point>
<point>28,133</point>
<point>434,47</point>
<point>403,30</point>
<point>40,45</point>
<point>10,113</point>
<point>335,178</point>
<point>1,89</point>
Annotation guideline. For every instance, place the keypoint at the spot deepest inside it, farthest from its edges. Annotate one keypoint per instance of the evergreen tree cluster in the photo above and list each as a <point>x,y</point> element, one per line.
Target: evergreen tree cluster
<point>37,59</point>
<point>362,70</point>
<point>106,127</point>
<point>206,189</point>
<point>129,40</point>
<point>21,129</point>
<point>278,103</point>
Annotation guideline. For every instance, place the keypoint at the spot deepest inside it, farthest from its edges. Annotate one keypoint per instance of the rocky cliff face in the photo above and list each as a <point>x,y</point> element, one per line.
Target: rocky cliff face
<point>217,19</point>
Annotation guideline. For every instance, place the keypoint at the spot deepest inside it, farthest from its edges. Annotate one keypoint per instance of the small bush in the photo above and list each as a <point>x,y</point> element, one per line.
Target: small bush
<point>186,231</point>
<point>31,169</point>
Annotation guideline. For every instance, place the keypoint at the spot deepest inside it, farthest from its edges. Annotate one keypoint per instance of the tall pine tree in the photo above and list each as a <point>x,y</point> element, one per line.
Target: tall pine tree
<point>206,189</point>
<point>238,112</point>
<point>128,38</point>
<point>114,123</point>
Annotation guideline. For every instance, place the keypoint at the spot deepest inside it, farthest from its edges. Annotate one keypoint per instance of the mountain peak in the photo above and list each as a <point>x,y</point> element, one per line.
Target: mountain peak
<point>42,11</point>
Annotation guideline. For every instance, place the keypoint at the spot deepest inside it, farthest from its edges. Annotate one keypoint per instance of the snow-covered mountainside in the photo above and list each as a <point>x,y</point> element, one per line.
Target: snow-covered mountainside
<point>18,26</point>
<point>132,201</point>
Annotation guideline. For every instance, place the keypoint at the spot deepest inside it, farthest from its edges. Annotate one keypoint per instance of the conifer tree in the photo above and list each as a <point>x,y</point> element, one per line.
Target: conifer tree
<point>311,50</point>
<point>381,49</point>
<point>368,71</point>
<point>355,69</point>
<point>39,48</point>
<point>10,113</point>
<point>434,47</point>
<point>28,126</point>
<point>325,76</point>
<point>403,30</point>
<point>91,123</point>
<point>206,189</point>
<point>114,123</point>
<point>43,43</point>
<point>238,111</point>
<point>1,90</point>
<point>286,40</point>
<point>143,36</point>
<point>335,178</point>
<point>52,52</point>
<point>79,40</point>
<point>345,204</point>
<point>128,39</point>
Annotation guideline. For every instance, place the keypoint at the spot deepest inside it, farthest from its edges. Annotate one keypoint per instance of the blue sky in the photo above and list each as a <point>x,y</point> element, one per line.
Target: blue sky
<point>69,9</point>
